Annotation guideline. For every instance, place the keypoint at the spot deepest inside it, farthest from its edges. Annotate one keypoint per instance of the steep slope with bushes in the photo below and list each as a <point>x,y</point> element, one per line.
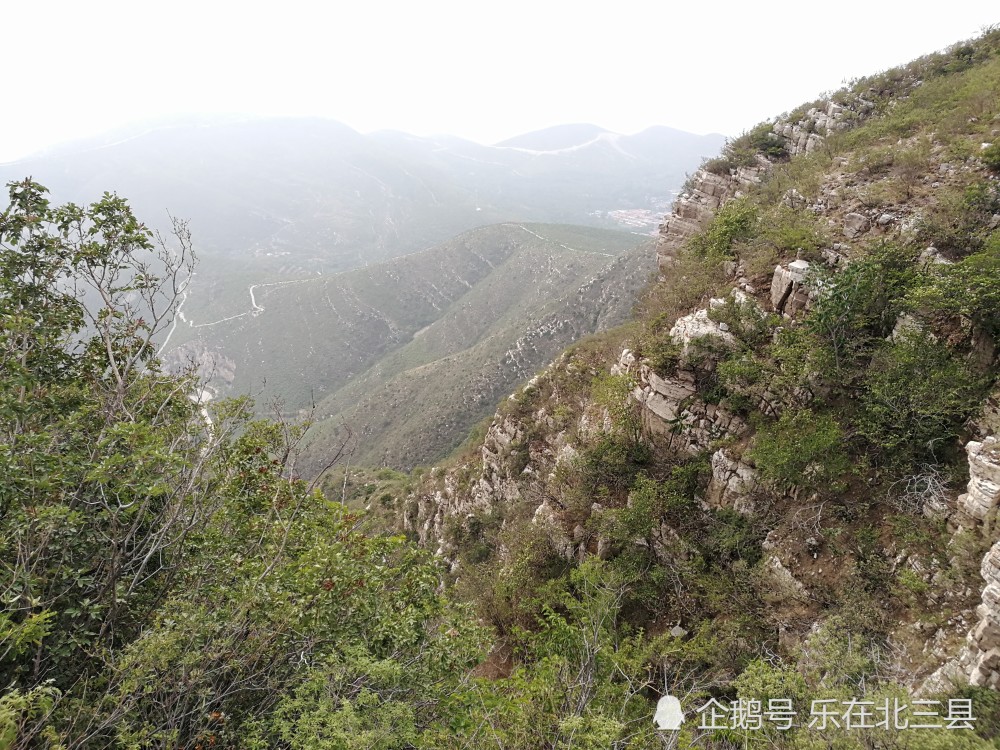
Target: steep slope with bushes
<point>772,455</point>
<point>773,493</point>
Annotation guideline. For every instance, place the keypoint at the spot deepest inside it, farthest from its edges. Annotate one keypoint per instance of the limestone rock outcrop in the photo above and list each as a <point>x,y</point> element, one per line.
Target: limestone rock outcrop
<point>694,208</point>
<point>979,660</point>
<point>806,134</point>
<point>673,410</point>
<point>982,495</point>
<point>692,328</point>
<point>707,191</point>
<point>988,421</point>
<point>732,482</point>
<point>495,484</point>
<point>981,656</point>
<point>789,295</point>
<point>856,224</point>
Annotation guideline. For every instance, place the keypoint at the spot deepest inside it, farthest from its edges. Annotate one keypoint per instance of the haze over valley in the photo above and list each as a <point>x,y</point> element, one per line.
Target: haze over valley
<point>325,253</point>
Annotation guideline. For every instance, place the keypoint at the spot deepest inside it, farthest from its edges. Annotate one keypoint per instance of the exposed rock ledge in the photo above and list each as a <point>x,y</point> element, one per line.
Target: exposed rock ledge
<point>979,660</point>
<point>982,494</point>
<point>707,191</point>
<point>693,209</point>
<point>672,408</point>
<point>789,295</point>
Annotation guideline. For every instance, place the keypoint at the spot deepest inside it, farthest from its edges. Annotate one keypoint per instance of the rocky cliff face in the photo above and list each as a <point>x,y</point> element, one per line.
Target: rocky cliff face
<point>706,191</point>
<point>981,657</point>
<point>518,452</point>
<point>979,502</point>
<point>978,662</point>
<point>805,134</point>
<point>696,206</point>
<point>671,407</point>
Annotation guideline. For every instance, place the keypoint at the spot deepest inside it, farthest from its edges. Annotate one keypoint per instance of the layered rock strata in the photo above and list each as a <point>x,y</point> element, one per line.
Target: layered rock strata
<point>981,655</point>
<point>982,495</point>
<point>789,295</point>
<point>673,410</point>
<point>979,659</point>
<point>732,483</point>
<point>707,191</point>
<point>694,208</point>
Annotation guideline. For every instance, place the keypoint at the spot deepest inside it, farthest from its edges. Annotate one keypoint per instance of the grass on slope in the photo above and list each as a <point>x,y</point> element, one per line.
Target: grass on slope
<point>420,402</point>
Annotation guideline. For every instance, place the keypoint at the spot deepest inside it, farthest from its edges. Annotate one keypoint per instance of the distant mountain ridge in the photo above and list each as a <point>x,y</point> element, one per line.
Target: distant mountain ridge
<point>555,138</point>
<point>294,194</point>
<point>565,137</point>
<point>401,283</point>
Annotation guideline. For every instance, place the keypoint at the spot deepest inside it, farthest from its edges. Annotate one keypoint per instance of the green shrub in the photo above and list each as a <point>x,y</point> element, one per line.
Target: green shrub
<point>763,140</point>
<point>970,287</point>
<point>649,503</point>
<point>613,462</point>
<point>859,306</point>
<point>991,156</point>
<point>720,165</point>
<point>915,397</point>
<point>793,232</point>
<point>958,224</point>
<point>734,222</point>
<point>663,354</point>
<point>750,325</point>
<point>802,450</point>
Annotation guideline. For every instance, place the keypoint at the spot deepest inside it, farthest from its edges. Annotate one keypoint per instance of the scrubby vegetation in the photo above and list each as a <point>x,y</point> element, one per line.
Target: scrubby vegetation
<point>856,408</point>
<point>169,581</point>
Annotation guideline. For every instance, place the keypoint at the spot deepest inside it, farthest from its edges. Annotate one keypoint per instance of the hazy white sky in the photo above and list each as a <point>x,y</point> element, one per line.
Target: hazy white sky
<point>485,71</point>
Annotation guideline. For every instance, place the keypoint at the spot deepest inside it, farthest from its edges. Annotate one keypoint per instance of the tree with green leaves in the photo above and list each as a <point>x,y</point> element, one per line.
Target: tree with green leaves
<point>163,582</point>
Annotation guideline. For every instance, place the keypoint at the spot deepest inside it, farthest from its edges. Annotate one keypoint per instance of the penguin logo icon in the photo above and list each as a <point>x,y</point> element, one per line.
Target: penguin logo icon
<point>668,716</point>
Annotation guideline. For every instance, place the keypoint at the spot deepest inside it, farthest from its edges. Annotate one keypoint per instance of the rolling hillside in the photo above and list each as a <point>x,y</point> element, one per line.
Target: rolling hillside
<point>421,345</point>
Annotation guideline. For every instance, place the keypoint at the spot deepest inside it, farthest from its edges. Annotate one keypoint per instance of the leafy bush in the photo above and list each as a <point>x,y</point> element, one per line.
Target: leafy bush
<point>663,354</point>
<point>613,462</point>
<point>958,224</point>
<point>970,287</point>
<point>793,232</point>
<point>802,449</point>
<point>915,397</point>
<point>991,156</point>
<point>720,165</point>
<point>734,222</point>
<point>751,326</point>
<point>858,307</point>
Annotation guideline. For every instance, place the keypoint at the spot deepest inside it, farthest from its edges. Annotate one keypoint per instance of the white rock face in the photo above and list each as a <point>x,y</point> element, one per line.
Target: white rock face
<point>671,407</point>
<point>979,659</point>
<point>732,480</point>
<point>693,210</point>
<point>856,224</point>
<point>782,583</point>
<point>697,325</point>
<point>788,294</point>
<point>981,656</point>
<point>982,494</point>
